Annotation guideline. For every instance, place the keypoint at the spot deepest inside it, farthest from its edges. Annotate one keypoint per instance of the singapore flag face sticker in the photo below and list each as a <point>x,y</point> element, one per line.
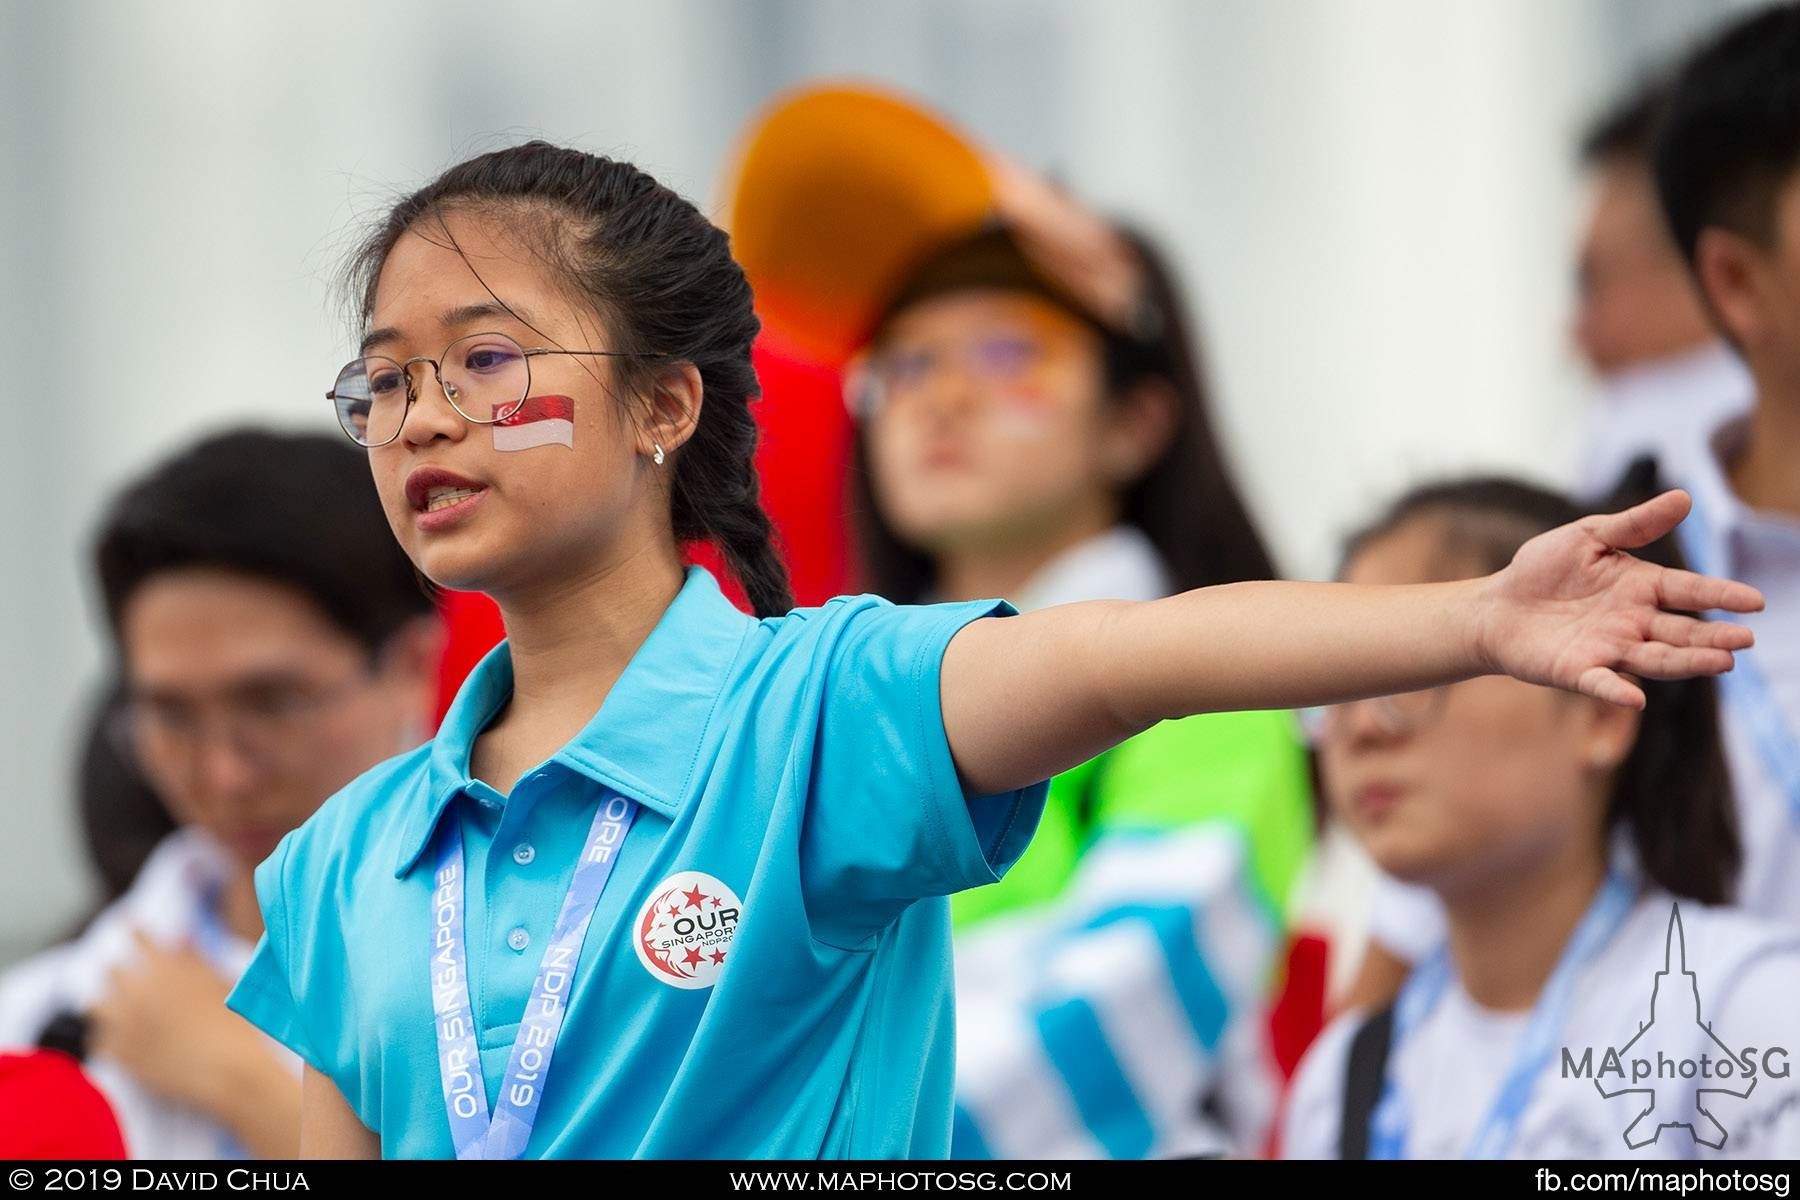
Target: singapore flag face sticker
<point>540,421</point>
<point>684,930</point>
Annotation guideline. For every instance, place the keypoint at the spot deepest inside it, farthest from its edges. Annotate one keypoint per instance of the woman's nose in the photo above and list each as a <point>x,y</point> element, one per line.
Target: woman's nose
<point>952,390</point>
<point>1362,723</point>
<point>430,414</point>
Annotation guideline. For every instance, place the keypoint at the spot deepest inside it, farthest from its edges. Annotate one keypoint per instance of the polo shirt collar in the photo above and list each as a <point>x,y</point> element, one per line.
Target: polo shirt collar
<point>646,737</point>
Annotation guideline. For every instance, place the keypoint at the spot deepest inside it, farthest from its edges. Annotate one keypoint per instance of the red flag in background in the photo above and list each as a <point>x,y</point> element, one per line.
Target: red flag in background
<point>53,1111</point>
<point>472,627</point>
<point>802,461</point>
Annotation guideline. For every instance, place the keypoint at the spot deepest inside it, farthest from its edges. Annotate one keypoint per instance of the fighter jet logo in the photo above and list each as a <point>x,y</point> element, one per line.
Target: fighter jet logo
<point>1681,1088</point>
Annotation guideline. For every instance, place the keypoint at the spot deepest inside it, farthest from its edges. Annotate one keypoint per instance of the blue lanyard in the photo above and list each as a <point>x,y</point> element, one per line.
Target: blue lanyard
<point>459,1056</point>
<point>1425,987</point>
<point>1745,688</point>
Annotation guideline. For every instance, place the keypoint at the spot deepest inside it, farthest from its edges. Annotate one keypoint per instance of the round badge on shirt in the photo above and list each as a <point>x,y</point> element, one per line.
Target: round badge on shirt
<point>684,930</point>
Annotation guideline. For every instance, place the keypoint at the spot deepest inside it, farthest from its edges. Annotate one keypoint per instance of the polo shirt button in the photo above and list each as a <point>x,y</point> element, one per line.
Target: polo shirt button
<point>518,939</point>
<point>523,853</point>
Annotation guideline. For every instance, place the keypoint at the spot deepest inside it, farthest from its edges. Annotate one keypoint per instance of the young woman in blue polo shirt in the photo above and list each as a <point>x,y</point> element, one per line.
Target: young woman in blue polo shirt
<point>669,881</point>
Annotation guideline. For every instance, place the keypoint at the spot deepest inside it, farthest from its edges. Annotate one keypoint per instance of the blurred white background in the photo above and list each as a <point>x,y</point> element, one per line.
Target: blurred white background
<point>1373,202</point>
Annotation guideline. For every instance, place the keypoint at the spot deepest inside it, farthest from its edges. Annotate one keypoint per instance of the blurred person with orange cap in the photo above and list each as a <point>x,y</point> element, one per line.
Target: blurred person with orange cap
<point>1030,421</point>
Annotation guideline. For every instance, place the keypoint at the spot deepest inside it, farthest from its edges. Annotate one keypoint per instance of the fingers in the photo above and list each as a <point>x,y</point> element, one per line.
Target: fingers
<point>150,952</point>
<point>1643,523</point>
<point>1676,630</point>
<point>1688,592</point>
<point>1684,590</point>
<point>1655,660</point>
<point>120,978</point>
<point>1610,686</point>
<point>1071,242</point>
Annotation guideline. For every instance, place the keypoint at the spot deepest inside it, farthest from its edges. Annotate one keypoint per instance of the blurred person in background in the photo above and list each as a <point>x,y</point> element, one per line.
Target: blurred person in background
<point>274,643</point>
<point>1666,377</point>
<point>1031,422</point>
<point>123,820</point>
<point>1676,403</point>
<point>1558,833</point>
<point>1728,173</point>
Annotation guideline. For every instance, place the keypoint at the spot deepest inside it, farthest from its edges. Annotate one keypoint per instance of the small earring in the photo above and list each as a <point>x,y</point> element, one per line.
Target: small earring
<point>658,456</point>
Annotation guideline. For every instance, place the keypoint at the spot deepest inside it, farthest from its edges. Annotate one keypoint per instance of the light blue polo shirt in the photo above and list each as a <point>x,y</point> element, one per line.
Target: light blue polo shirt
<point>793,770</point>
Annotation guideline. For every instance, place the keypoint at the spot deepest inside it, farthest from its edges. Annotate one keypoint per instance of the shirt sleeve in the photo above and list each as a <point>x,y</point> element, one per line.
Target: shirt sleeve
<point>264,994</point>
<point>888,820</point>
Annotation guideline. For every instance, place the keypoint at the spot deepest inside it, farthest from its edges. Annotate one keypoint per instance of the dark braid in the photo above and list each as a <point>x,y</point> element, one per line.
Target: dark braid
<point>662,276</point>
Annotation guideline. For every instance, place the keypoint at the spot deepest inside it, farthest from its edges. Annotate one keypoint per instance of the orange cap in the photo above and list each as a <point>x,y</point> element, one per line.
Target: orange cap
<point>838,192</point>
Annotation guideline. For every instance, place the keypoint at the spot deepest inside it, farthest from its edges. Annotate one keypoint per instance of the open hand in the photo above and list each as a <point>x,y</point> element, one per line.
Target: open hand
<point>1574,611</point>
<point>164,1019</point>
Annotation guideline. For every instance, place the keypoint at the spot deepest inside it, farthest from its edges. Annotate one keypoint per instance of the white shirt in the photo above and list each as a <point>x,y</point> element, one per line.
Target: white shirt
<point>1746,974</point>
<point>1120,564</point>
<point>1405,919</point>
<point>1658,408</point>
<point>1763,550</point>
<point>166,901</point>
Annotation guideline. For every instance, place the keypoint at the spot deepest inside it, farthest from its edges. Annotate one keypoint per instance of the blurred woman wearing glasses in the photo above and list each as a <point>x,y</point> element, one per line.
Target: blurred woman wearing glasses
<point>1011,442</point>
<point>1029,421</point>
<point>274,643</point>
<point>1560,836</point>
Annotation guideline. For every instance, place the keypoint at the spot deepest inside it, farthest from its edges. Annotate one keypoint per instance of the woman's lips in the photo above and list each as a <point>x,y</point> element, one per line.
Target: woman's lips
<point>423,481</point>
<point>1373,801</point>
<point>431,520</point>
<point>943,458</point>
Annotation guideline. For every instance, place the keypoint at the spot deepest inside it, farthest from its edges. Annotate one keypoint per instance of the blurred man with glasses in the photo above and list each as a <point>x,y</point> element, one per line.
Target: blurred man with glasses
<point>273,643</point>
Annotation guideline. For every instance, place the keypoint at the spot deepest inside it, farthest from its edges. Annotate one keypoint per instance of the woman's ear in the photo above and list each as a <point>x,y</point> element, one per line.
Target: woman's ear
<point>1731,270</point>
<point>1609,731</point>
<point>1139,426</point>
<point>673,412</point>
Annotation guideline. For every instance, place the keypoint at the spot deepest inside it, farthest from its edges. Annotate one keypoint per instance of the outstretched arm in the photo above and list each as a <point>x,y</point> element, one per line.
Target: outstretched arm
<point>1030,696</point>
